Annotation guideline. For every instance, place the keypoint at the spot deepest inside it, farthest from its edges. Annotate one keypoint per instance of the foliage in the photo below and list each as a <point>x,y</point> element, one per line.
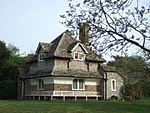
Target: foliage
<point>115,24</point>
<point>10,106</point>
<point>133,91</point>
<point>8,89</point>
<point>136,72</point>
<point>133,68</point>
<point>10,63</point>
<point>114,98</point>
<point>4,53</point>
<point>146,89</point>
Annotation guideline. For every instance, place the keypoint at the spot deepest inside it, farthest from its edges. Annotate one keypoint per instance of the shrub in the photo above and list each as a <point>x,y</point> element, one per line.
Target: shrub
<point>146,89</point>
<point>114,98</point>
<point>8,89</point>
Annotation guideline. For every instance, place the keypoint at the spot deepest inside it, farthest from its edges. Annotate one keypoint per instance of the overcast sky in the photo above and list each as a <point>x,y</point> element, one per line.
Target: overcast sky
<point>25,23</point>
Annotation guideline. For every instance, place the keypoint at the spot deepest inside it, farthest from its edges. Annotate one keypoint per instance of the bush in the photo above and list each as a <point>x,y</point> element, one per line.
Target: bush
<point>113,98</point>
<point>146,89</point>
<point>8,89</point>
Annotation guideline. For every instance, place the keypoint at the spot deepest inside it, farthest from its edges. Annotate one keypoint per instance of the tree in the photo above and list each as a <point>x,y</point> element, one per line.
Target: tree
<point>136,72</point>
<point>115,25</point>
<point>133,68</point>
<point>10,63</point>
<point>4,53</point>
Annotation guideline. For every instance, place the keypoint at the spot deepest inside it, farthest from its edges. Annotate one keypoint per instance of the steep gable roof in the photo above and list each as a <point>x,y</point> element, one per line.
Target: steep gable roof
<point>79,44</point>
<point>107,68</point>
<point>62,47</point>
<point>45,47</point>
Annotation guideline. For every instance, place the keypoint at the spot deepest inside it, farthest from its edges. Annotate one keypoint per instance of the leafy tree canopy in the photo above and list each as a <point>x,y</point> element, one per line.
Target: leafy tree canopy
<point>115,25</point>
<point>10,61</point>
<point>4,53</point>
<point>133,68</point>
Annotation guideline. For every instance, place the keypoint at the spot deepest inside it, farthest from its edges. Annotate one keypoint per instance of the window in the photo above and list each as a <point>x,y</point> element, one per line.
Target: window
<point>75,84</point>
<point>40,84</point>
<point>76,55</point>
<point>113,85</point>
<point>79,56</point>
<point>78,84</point>
<point>41,57</point>
<point>105,76</point>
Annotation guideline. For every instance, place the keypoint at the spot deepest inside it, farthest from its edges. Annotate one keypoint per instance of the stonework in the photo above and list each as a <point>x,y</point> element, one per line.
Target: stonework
<point>93,67</point>
<point>119,85</point>
<point>59,68</point>
<point>60,64</point>
<point>62,87</point>
<point>91,88</point>
<point>78,65</point>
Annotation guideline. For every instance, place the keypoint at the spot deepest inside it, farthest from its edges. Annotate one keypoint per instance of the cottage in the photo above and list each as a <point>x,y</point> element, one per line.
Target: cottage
<point>67,69</point>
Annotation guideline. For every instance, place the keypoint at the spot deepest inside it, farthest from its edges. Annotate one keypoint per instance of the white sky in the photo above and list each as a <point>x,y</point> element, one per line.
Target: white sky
<point>25,23</point>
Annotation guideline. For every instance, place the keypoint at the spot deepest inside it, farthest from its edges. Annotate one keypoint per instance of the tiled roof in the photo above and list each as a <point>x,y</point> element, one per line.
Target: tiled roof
<point>61,47</point>
<point>67,73</point>
<point>107,68</point>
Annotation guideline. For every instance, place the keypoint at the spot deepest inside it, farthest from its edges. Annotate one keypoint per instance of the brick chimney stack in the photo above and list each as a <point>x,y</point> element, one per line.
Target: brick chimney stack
<point>84,33</point>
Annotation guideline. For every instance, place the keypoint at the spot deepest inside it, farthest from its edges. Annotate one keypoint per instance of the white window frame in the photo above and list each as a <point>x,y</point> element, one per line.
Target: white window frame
<point>79,56</point>
<point>41,57</point>
<point>40,85</point>
<point>78,84</point>
<point>113,85</point>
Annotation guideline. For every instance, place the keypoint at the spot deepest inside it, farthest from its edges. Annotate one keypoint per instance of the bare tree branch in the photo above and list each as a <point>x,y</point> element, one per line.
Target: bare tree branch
<point>115,24</point>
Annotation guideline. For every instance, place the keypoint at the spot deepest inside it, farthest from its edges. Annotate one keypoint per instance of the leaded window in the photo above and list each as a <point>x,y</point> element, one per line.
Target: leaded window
<point>78,84</point>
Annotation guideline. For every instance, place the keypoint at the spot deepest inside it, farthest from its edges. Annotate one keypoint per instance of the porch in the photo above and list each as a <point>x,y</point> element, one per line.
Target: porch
<point>63,95</point>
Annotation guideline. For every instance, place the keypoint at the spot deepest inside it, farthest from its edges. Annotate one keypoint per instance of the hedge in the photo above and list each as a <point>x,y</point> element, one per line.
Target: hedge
<point>8,89</point>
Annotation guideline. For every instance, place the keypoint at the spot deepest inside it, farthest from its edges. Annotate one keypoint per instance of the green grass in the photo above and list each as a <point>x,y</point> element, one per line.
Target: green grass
<point>11,106</point>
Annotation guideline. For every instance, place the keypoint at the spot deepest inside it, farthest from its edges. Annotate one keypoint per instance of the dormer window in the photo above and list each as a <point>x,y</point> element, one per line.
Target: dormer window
<point>79,56</point>
<point>41,57</point>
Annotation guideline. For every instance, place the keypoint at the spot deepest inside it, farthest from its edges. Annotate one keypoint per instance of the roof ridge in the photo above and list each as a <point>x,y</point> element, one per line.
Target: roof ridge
<point>59,42</point>
<point>62,43</point>
<point>44,43</point>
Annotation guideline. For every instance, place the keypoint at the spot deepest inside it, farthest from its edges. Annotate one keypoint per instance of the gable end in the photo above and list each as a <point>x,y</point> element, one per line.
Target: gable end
<point>79,44</point>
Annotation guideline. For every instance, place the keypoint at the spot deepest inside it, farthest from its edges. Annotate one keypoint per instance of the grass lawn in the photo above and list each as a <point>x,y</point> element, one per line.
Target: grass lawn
<point>26,106</point>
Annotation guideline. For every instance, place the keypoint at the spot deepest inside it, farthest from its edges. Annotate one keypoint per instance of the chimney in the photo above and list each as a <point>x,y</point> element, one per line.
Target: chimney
<point>84,33</point>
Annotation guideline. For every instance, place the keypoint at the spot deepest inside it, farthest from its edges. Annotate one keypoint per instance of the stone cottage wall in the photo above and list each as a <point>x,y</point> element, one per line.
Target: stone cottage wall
<point>78,65</point>
<point>93,67</point>
<point>63,84</point>
<point>119,85</point>
<point>60,65</point>
<point>64,65</point>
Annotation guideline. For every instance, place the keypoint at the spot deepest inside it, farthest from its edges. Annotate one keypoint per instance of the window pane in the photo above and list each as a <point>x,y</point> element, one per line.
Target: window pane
<point>80,84</point>
<point>113,82</point>
<point>81,56</point>
<point>76,55</point>
<point>41,56</point>
<point>113,85</point>
<point>75,84</point>
<point>41,84</point>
